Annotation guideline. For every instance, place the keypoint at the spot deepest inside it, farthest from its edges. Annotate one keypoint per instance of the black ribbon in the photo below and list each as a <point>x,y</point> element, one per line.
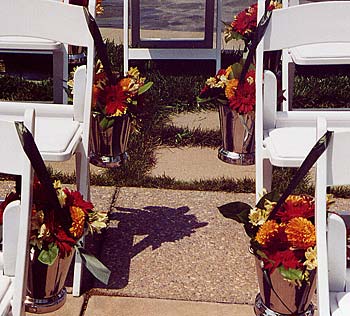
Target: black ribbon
<point>38,164</point>
<point>258,35</point>
<point>101,48</point>
<point>307,164</point>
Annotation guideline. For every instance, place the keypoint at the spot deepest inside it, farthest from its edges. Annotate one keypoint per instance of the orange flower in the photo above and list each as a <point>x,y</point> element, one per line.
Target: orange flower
<point>268,231</point>
<point>125,83</point>
<point>301,233</point>
<point>78,221</point>
<point>96,93</point>
<point>231,88</point>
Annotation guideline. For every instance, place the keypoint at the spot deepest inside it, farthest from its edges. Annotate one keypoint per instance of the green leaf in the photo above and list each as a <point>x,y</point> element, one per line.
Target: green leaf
<point>95,266</point>
<point>237,211</point>
<point>262,254</point>
<point>237,70</point>
<point>110,122</point>
<point>145,87</point>
<point>291,274</point>
<point>49,256</point>
<point>104,123</point>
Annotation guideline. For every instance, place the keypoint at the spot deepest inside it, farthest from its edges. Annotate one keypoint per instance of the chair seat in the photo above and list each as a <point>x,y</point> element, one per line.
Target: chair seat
<point>5,282</point>
<point>288,146</point>
<point>56,138</point>
<point>329,53</point>
<point>340,303</point>
<point>27,43</point>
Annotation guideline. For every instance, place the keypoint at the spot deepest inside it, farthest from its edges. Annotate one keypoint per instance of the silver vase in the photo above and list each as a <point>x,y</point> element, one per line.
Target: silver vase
<point>279,297</point>
<point>238,139</point>
<point>45,287</point>
<point>108,146</point>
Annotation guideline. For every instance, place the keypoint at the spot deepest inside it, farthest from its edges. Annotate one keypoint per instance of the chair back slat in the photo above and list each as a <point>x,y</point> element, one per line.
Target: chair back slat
<point>326,22</point>
<point>54,21</point>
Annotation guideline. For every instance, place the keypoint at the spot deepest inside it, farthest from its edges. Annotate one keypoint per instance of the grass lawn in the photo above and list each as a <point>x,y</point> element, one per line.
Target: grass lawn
<point>176,86</point>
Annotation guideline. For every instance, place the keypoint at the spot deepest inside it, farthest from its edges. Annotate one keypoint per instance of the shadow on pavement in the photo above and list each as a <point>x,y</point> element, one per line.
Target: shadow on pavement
<point>133,230</point>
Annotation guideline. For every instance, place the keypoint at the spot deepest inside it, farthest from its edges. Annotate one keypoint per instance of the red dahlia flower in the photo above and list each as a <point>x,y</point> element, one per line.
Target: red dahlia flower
<point>115,99</point>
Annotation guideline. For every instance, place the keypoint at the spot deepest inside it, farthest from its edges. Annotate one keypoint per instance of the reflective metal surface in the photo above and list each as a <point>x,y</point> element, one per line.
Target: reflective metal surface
<point>45,289</point>
<point>282,297</point>
<point>238,139</point>
<point>261,309</point>
<point>108,146</point>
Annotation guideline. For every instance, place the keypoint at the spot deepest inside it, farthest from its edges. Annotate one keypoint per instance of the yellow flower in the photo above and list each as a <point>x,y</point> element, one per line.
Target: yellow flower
<point>311,258</point>
<point>257,216</point>
<point>267,232</point>
<point>301,233</point>
<point>57,184</point>
<point>330,200</point>
<point>60,193</point>
<point>134,72</point>
<point>97,221</point>
<point>78,221</point>
<point>276,4</point>
<point>268,205</point>
<point>231,87</point>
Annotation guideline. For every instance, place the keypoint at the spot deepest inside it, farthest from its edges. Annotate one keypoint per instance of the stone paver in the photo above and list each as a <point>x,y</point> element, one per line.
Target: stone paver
<point>206,120</point>
<point>196,163</point>
<point>174,244</point>
<point>128,306</point>
<point>72,307</point>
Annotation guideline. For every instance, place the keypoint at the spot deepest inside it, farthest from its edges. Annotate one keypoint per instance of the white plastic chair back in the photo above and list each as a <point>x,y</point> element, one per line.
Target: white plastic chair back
<point>283,138</point>
<point>332,169</point>
<point>62,130</point>
<point>16,218</point>
<point>315,54</point>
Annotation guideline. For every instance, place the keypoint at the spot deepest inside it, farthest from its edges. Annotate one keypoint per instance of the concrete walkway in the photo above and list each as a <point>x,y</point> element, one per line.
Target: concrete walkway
<point>171,254</point>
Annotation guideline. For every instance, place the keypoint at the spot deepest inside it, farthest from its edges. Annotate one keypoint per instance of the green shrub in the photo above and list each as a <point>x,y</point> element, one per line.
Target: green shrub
<point>17,88</point>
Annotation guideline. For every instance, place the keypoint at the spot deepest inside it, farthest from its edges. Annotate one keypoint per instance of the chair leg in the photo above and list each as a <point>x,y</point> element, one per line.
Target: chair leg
<point>267,175</point>
<point>83,186</point>
<point>291,75</point>
<point>78,271</point>
<point>288,73</point>
<point>60,75</point>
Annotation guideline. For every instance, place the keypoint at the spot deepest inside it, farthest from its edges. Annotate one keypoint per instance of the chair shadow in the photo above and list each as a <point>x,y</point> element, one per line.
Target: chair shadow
<point>138,229</point>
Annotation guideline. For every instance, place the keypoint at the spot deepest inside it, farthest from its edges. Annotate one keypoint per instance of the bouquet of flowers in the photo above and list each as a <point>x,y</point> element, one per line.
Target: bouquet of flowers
<point>244,24</point>
<point>225,88</point>
<point>284,240</point>
<point>112,99</point>
<point>55,232</point>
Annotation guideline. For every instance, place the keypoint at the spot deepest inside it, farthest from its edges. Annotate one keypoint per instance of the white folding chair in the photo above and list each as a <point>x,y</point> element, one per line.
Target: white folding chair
<point>333,168</point>
<point>16,218</point>
<point>32,45</point>
<point>62,130</point>
<point>306,55</point>
<point>283,138</point>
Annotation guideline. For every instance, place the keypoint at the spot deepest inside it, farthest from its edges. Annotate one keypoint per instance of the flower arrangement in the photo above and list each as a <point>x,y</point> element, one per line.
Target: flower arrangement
<point>55,232</point>
<point>244,24</point>
<point>284,240</point>
<point>230,86</point>
<point>226,89</point>
<point>112,99</point>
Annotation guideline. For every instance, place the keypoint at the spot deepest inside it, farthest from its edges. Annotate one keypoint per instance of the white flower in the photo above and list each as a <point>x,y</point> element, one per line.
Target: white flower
<point>257,216</point>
